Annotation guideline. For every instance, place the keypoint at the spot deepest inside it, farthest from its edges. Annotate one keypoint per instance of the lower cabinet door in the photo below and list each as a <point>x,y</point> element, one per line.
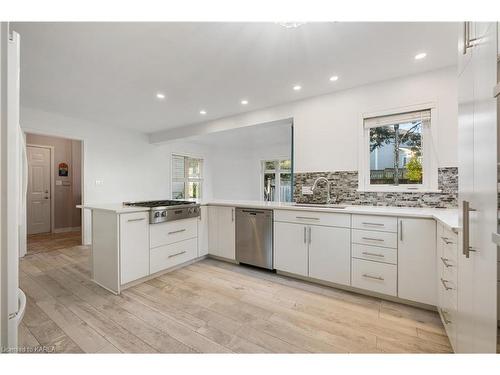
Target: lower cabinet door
<point>330,254</point>
<point>417,269</point>
<point>134,246</point>
<point>290,248</point>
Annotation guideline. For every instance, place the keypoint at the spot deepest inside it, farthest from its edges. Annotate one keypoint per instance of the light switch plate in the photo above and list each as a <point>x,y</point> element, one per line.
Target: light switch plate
<point>99,182</point>
<point>306,190</point>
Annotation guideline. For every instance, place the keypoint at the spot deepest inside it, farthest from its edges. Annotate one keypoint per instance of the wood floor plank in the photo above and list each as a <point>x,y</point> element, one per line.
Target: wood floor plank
<point>208,307</point>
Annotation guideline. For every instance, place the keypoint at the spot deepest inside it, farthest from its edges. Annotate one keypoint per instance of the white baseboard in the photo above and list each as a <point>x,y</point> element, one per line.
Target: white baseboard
<point>68,229</point>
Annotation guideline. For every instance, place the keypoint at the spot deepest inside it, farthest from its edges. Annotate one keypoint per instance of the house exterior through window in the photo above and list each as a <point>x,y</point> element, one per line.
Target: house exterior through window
<point>187,177</point>
<point>397,151</point>
<point>277,180</point>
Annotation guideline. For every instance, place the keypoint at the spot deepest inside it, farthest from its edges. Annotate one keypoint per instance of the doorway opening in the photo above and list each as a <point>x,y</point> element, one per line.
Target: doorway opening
<point>54,190</point>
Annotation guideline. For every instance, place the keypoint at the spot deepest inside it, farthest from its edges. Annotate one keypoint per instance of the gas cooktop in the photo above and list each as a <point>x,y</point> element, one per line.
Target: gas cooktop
<point>168,210</point>
<point>162,203</point>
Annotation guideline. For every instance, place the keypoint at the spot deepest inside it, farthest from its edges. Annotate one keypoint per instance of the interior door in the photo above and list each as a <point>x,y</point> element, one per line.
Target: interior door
<point>477,295</point>
<point>39,199</point>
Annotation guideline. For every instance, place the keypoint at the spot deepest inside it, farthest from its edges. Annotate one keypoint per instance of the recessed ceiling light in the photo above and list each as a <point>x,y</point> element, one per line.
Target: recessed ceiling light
<point>297,87</point>
<point>334,78</point>
<point>291,25</point>
<point>244,102</point>
<point>420,56</point>
<point>203,112</point>
<point>160,95</point>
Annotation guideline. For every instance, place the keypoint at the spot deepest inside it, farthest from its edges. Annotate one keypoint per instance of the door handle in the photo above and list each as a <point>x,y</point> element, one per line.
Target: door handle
<point>466,209</point>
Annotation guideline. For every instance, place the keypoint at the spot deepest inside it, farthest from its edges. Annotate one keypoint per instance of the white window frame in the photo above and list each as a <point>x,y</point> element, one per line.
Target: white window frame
<point>277,172</point>
<point>186,178</point>
<point>429,155</point>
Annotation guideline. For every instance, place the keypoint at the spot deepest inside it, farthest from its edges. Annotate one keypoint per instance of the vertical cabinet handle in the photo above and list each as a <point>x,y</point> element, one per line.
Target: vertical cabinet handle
<point>232,214</point>
<point>466,209</point>
<point>401,230</point>
<point>305,234</point>
<point>309,235</point>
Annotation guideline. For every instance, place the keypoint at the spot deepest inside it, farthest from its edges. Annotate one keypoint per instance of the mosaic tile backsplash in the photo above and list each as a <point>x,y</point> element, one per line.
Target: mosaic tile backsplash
<point>344,187</point>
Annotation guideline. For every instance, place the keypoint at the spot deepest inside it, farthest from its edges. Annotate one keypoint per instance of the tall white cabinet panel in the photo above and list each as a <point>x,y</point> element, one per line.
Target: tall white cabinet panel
<point>134,246</point>
<point>417,260</point>
<point>221,237</point>
<point>203,231</point>
<point>329,254</point>
<point>477,130</point>
<point>290,248</point>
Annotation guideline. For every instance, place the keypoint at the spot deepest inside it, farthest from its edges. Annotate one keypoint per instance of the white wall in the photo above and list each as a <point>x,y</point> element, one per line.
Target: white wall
<point>327,128</point>
<point>238,171</point>
<point>128,165</point>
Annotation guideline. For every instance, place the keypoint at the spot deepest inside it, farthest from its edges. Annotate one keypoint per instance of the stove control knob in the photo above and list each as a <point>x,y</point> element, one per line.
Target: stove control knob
<point>164,214</point>
<point>157,214</point>
<point>191,210</point>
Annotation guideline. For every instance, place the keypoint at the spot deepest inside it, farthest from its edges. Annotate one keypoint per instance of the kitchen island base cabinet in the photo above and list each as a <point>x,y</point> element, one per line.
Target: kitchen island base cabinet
<point>417,269</point>
<point>168,256</point>
<point>221,232</point>
<point>134,246</point>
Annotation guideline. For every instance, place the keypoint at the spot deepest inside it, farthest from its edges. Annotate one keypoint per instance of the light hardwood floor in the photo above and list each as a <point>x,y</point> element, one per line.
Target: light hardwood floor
<point>211,307</point>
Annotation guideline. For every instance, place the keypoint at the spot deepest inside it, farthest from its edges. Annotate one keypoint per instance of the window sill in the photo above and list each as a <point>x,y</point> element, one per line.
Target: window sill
<point>396,190</point>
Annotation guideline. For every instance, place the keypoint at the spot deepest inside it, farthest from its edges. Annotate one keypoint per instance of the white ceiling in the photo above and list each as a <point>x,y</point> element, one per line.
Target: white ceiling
<point>109,73</point>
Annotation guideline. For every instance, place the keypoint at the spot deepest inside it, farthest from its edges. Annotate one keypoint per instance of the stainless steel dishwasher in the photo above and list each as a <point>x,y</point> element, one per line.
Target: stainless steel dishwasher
<point>254,237</point>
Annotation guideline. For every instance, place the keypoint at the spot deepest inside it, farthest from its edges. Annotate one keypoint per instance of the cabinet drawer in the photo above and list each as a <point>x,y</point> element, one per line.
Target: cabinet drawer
<point>313,217</point>
<point>448,317</point>
<point>372,222</point>
<point>374,276</point>
<point>383,239</point>
<point>171,232</point>
<point>375,253</point>
<point>450,247</point>
<point>167,256</point>
<point>448,294</point>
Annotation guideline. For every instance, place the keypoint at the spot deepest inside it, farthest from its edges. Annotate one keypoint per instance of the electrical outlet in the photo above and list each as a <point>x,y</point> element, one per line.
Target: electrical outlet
<point>306,190</point>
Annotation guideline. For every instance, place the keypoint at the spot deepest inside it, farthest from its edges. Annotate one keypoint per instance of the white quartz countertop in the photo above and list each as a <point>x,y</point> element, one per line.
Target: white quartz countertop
<point>118,208</point>
<point>448,217</point>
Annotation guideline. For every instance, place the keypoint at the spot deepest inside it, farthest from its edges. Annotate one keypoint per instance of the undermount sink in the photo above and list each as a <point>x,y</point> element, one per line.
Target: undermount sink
<point>320,205</point>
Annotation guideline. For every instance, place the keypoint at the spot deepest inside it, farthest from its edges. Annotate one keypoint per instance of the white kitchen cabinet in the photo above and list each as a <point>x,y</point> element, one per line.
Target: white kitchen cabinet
<point>329,254</point>
<point>290,248</point>
<point>134,246</point>
<point>316,251</point>
<point>221,238</point>
<point>203,231</point>
<point>417,260</point>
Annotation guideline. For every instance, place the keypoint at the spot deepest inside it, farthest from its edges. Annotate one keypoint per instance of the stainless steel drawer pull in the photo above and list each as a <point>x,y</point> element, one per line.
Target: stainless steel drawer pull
<point>141,219</point>
<point>374,224</point>
<point>446,287</point>
<point>372,239</point>
<point>307,218</point>
<point>446,240</point>
<point>174,255</point>
<point>373,254</point>
<point>444,313</point>
<point>177,231</point>
<point>373,277</point>
<point>445,262</point>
